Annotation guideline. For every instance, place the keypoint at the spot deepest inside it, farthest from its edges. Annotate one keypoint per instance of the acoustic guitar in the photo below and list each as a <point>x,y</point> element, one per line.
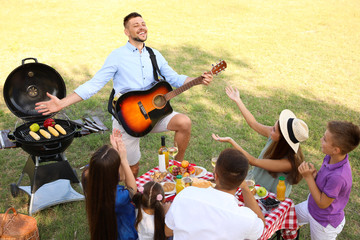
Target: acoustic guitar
<point>139,111</point>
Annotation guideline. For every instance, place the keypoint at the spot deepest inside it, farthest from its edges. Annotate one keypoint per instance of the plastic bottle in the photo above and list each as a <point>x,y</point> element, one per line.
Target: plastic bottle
<point>179,184</point>
<point>163,156</point>
<point>280,189</point>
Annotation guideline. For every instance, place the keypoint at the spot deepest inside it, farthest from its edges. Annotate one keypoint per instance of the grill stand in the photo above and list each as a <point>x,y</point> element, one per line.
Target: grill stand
<point>50,178</point>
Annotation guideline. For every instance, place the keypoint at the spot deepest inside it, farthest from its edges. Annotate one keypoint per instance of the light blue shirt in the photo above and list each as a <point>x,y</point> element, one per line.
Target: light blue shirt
<point>130,70</point>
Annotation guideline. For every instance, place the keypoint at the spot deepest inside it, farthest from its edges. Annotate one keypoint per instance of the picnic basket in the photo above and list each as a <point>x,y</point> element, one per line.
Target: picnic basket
<point>18,226</point>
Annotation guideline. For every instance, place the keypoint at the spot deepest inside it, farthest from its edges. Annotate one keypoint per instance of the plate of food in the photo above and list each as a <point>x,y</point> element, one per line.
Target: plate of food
<point>261,192</point>
<point>201,183</point>
<point>199,172</point>
<point>169,187</point>
<point>158,176</point>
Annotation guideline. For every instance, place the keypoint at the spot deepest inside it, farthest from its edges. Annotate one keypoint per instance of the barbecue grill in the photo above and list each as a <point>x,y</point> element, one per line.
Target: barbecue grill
<point>25,86</point>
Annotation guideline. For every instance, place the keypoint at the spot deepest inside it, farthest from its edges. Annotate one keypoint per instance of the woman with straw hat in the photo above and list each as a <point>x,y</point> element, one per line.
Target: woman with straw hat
<point>281,155</point>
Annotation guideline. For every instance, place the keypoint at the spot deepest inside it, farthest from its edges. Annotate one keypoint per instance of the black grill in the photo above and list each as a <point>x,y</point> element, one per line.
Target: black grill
<point>26,136</point>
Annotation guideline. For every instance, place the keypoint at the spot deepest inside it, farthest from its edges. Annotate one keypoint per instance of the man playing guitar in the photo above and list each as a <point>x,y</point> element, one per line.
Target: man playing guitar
<point>130,68</point>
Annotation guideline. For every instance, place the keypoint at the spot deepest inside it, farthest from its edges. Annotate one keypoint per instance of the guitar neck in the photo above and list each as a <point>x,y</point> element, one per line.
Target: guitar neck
<point>183,88</point>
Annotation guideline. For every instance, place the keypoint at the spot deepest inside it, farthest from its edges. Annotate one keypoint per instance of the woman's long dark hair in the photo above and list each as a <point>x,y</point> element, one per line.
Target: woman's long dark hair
<point>99,182</point>
<point>281,149</point>
<point>147,199</point>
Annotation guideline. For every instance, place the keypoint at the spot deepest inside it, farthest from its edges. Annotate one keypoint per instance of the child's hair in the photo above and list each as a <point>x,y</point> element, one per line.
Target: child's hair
<point>99,181</point>
<point>281,149</point>
<point>231,167</point>
<point>151,197</point>
<point>346,135</point>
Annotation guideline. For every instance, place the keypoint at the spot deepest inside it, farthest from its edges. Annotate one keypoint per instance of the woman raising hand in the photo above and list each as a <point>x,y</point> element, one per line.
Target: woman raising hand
<point>281,155</point>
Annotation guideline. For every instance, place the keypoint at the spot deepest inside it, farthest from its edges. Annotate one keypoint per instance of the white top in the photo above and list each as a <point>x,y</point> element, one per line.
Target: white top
<point>146,226</point>
<point>207,213</point>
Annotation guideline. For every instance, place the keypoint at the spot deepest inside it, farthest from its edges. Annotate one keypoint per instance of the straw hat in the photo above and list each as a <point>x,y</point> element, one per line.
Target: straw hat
<point>293,129</point>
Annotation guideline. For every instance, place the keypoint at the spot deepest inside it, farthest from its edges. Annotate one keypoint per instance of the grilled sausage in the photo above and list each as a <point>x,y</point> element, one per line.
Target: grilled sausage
<point>60,129</point>
<point>53,131</point>
<point>34,135</point>
<point>45,133</point>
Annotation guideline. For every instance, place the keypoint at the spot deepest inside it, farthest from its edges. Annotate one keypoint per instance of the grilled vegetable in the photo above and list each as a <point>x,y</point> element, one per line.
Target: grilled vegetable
<point>53,131</point>
<point>45,133</point>
<point>34,127</point>
<point>34,135</point>
<point>60,129</point>
<point>49,123</point>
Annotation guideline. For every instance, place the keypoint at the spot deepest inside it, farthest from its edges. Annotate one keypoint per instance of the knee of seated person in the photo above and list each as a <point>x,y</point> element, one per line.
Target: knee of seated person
<point>183,122</point>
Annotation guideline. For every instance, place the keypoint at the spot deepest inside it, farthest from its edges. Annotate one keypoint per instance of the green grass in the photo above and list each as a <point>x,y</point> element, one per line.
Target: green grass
<point>301,55</point>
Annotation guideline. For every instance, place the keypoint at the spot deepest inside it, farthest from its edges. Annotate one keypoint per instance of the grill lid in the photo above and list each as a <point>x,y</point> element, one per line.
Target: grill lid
<point>28,84</point>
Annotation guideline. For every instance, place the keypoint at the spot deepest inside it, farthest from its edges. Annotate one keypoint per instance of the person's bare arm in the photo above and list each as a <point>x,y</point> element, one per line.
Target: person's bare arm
<point>250,201</point>
<point>321,199</point>
<point>118,144</point>
<point>55,104</point>
<point>281,165</point>
<point>233,94</point>
<point>168,231</point>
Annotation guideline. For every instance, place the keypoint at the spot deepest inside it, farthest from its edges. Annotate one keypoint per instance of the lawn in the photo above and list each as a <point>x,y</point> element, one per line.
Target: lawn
<point>301,55</point>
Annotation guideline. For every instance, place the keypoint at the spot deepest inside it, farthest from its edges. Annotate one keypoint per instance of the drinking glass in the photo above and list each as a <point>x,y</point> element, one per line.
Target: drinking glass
<point>250,181</point>
<point>213,161</point>
<point>173,151</point>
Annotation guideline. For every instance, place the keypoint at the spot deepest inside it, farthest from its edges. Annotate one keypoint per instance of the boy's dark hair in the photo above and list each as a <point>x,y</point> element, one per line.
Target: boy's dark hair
<point>231,168</point>
<point>130,16</point>
<point>346,135</point>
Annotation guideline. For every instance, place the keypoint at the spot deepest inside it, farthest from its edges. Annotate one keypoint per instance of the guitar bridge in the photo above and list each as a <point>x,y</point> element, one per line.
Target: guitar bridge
<point>142,110</point>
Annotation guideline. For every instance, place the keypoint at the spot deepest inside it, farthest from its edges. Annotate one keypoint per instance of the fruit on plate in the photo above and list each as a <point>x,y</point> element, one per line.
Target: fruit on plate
<point>184,163</point>
<point>49,123</point>
<point>261,192</point>
<point>34,127</point>
<point>174,170</point>
<point>179,169</point>
<point>183,170</point>
<point>252,190</point>
<point>191,169</point>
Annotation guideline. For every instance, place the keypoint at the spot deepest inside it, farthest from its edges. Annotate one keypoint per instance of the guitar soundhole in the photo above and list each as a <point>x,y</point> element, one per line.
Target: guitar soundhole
<point>159,101</point>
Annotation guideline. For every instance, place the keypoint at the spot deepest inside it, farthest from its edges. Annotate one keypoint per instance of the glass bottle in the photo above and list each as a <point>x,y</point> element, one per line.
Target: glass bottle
<point>163,156</point>
<point>280,189</point>
<point>179,184</point>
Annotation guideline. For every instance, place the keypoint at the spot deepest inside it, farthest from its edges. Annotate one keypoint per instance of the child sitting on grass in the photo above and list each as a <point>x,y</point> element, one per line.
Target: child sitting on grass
<point>330,187</point>
<point>150,202</point>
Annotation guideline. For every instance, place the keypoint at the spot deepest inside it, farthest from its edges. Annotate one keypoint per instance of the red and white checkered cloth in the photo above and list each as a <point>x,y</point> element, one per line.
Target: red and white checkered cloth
<point>283,217</point>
